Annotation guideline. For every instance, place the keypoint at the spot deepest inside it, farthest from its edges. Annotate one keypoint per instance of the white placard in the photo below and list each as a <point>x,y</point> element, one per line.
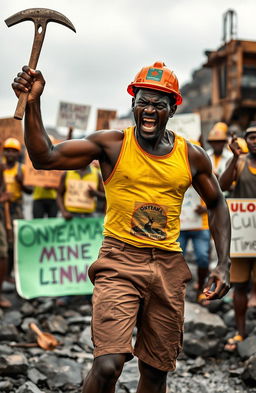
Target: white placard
<point>189,219</point>
<point>243,227</point>
<point>187,125</point>
<point>73,115</point>
<point>120,124</point>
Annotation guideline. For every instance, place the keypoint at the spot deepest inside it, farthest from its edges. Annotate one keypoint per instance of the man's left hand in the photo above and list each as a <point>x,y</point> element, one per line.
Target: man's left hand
<point>218,283</point>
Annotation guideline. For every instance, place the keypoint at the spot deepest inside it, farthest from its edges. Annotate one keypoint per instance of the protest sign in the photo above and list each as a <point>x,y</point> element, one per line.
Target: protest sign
<point>41,178</point>
<point>10,128</point>
<point>190,220</point>
<point>120,124</point>
<point>103,118</point>
<point>77,194</point>
<point>73,115</point>
<point>243,227</point>
<point>52,256</point>
<point>187,125</point>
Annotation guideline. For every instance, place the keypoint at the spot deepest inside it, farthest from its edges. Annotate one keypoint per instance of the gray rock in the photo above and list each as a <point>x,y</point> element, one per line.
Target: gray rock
<point>5,349</point>
<point>5,386</point>
<point>249,375</point>
<point>197,346</point>
<point>85,339</point>
<point>12,318</point>
<point>197,365</point>
<point>13,364</point>
<point>59,371</point>
<point>29,387</point>
<point>247,347</point>
<point>57,324</point>
<point>27,309</point>
<point>25,324</point>
<point>8,333</point>
<point>197,317</point>
<point>229,318</point>
<point>35,376</point>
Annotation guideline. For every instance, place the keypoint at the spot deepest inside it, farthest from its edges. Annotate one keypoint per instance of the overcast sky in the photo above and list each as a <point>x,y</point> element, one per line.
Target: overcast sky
<point>114,40</point>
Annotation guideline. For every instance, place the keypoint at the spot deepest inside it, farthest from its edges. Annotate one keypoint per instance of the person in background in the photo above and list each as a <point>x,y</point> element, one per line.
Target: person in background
<point>219,153</point>
<point>241,169</point>
<point>88,180</point>
<point>13,178</point>
<point>4,302</point>
<point>45,200</point>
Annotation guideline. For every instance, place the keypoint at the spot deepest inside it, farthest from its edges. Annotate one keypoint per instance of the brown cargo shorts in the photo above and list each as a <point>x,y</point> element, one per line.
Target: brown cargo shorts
<point>143,287</point>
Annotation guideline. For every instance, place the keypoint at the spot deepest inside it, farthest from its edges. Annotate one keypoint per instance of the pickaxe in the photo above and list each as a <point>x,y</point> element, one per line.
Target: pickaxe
<point>40,17</point>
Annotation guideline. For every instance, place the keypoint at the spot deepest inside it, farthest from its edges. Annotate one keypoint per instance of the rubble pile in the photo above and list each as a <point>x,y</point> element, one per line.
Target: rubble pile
<point>203,366</point>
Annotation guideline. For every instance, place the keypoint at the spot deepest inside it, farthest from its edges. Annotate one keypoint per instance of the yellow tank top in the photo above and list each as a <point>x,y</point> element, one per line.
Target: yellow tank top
<point>76,197</point>
<point>144,194</point>
<point>12,186</point>
<point>44,193</point>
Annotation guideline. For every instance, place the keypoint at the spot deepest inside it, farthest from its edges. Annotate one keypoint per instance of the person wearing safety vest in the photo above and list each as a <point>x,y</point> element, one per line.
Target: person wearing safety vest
<point>241,169</point>
<point>78,192</point>
<point>13,178</point>
<point>140,275</point>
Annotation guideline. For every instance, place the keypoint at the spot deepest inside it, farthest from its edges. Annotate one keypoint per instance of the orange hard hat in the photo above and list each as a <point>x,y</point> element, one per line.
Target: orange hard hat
<point>157,77</point>
<point>12,143</point>
<point>218,132</point>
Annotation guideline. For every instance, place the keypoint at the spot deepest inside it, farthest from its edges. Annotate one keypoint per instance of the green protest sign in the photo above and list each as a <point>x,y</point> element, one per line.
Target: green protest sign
<point>52,256</point>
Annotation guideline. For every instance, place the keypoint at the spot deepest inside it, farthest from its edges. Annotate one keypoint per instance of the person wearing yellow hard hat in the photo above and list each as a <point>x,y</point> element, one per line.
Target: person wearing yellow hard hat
<point>241,169</point>
<point>13,178</point>
<point>218,153</point>
<point>140,275</point>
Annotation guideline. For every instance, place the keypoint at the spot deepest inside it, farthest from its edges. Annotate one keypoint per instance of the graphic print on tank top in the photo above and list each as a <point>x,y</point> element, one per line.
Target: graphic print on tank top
<point>149,221</point>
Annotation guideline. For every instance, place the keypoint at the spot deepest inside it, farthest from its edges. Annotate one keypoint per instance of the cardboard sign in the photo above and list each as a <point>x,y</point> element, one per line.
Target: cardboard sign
<point>190,220</point>
<point>52,256</point>
<point>10,128</point>
<point>103,118</point>
<point>41,178</point>
<point>120,124</point>
<point>77,194</point>
<point>187,125</point>
<point>73,115</point>
<point>243,227</point>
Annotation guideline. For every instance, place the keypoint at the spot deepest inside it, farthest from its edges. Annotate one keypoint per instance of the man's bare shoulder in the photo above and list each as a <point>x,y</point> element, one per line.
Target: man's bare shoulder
<point>105,137</point>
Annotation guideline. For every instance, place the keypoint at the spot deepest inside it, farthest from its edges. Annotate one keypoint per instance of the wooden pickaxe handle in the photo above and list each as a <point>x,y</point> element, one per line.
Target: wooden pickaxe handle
<point>40,30</point>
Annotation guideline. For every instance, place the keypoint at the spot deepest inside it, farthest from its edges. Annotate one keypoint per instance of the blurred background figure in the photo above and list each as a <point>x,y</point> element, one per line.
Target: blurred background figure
<point>13,178</point>
<point>241,175</point>
<point>219,153</point>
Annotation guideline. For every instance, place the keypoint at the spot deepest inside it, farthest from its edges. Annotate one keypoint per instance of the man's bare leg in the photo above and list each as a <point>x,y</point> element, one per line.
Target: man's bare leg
<point>252,296</point>
<point>104,374</point>
<point>151,379</point>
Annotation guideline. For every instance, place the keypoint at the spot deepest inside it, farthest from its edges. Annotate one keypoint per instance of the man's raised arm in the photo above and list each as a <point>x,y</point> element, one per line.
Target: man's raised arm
<point>205,183</point>
<point>66,155</point>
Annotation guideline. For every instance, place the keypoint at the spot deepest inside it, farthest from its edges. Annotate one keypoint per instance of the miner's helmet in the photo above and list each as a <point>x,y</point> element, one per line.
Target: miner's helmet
<point>157,77</point>
<point>12,143</point>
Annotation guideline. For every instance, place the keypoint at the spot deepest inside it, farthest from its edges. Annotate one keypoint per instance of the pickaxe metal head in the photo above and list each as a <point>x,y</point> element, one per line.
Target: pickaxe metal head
<point>40,16</point>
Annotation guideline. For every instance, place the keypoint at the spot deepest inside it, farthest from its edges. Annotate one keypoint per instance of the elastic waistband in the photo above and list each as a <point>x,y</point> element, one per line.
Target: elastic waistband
<point>122,246</point>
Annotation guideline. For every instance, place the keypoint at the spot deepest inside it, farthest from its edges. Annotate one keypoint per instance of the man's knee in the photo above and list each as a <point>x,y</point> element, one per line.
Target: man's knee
<point>108,367</point>
<point>151,373</point>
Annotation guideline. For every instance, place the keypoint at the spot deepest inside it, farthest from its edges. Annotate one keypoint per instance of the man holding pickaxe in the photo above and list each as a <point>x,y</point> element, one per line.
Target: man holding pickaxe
<point>140,275</point>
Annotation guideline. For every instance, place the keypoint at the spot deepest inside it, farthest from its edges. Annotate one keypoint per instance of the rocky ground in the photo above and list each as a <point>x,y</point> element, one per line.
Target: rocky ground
<point>203,366</point>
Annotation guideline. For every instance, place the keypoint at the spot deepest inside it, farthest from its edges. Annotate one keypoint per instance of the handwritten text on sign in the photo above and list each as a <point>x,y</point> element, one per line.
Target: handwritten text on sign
<point>52,257</point>
<point>78,194</point>
<point>243,227</point>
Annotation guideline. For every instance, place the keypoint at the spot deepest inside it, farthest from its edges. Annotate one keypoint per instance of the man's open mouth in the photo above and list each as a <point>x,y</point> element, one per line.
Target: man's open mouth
<point>148,123</point>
